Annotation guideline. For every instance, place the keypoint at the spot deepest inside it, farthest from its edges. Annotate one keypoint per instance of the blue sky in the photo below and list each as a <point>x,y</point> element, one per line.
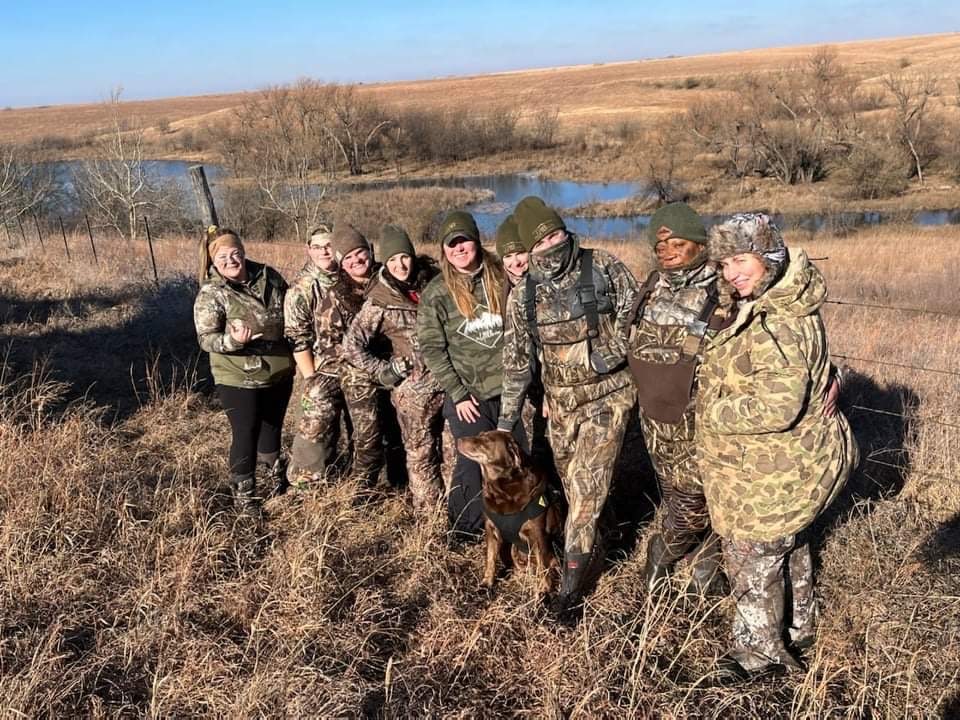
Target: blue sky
<point>59,51</point>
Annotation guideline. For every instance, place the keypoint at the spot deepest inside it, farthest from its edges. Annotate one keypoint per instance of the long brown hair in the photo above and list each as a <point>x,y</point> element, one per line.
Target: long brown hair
<point>458,283</point>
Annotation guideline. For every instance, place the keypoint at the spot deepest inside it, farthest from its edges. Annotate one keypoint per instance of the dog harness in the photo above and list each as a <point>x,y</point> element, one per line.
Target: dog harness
<point>509,524</point>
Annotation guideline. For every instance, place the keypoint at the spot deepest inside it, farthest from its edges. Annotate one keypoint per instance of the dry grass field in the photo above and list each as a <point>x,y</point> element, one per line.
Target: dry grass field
<point>126,590</point>
<point>586,95</point>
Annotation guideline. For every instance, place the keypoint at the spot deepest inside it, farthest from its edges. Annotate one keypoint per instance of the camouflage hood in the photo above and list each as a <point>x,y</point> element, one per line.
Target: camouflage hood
<point>770,460</point>
<point>800,292</point>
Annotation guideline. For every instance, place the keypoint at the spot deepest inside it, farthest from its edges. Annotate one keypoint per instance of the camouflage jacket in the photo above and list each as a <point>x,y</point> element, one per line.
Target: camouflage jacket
<point>770,460</point>
<point>676,301</point>
<point>300,306</point>
<point>465,356</point>
<point>336,311</point>
<point>563,346</point>
<point>258,303</point>
<point>386,327</point>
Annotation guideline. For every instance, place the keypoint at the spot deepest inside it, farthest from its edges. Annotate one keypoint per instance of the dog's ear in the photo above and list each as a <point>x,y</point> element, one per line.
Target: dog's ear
<point>514,450</point>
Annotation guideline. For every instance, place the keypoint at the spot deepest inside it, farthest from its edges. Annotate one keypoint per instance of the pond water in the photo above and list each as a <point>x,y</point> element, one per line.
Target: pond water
<point>506,190</point>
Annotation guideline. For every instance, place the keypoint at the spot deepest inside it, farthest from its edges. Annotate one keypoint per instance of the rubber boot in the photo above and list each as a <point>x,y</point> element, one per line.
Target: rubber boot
<point>566,607</point>
<point>706,575</point>
<point>273,470</point>
<point>661,557</point>
<point>245,501</point>
<point>311,463</point>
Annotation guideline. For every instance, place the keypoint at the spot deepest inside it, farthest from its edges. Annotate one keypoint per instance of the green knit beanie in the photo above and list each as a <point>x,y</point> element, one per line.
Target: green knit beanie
<point>458,224</point>
<point>508,238</point>
<point>676,220</point>
<point>393,241</point>
<point>535,220</point>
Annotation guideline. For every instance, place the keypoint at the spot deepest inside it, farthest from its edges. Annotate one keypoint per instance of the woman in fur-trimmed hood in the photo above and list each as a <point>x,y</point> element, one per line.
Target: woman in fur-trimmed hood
<point>770,458</point>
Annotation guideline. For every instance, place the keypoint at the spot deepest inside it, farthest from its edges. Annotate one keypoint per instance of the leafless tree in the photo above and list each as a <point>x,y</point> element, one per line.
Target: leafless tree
<point>662,150</point>
<point>25,184</point>
<point>911,95</point>
<point>115,185</point>
<point>279,140</point>
<point>354,124</point>
<point>786,125</point>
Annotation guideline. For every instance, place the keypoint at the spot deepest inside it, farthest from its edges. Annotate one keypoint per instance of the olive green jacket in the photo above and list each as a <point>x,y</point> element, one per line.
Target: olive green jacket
<point>465,356</point>
<point>770,460</point>
<point>258,303</point>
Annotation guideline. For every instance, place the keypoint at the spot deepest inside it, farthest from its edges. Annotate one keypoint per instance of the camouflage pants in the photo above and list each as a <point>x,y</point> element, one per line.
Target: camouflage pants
<point>586,440</point>
<point>671,449</point>
<point>361,395</point>
<point>759,574</point>
<point>318,430</point>
<point>420,415</point>
<point>535,428</point>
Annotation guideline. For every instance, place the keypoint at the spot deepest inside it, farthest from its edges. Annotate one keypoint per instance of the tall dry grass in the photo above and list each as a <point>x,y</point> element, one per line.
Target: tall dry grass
<point>126,590</point>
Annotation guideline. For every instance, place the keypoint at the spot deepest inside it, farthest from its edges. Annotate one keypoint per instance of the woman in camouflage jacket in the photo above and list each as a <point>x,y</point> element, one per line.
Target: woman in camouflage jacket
<point>382,341</point>
<point>770,458</point>
<point>238,315</point>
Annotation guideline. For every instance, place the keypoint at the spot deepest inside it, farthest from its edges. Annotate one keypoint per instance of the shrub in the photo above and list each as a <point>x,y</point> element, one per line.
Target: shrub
<point>874,168</point>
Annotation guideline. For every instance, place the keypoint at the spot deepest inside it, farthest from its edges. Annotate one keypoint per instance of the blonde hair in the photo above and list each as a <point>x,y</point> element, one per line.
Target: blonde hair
<point>458,283</point>
<point>213,239</point>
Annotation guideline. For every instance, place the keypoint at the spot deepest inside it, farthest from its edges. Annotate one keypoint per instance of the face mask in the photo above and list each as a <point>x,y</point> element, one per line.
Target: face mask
<point>551,262</point>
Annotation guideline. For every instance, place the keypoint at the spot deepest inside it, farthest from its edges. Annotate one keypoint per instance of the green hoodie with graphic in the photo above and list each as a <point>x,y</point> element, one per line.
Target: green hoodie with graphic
<point>258,303</point>
<point>465,356</point>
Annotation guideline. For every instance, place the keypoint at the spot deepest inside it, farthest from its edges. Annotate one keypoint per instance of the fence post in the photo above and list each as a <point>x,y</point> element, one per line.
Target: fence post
<point>39,234</point>
<point>153,260</point>
<point>204,197</point>
<point>7,231</point>
<point>92,246</point>
<point>63,232</point>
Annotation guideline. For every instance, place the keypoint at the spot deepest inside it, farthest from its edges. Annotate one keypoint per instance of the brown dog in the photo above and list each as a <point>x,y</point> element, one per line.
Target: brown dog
<point>515,505</point>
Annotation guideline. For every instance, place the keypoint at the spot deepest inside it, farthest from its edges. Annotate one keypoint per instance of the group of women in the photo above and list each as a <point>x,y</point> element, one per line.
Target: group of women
<point>747,444</point>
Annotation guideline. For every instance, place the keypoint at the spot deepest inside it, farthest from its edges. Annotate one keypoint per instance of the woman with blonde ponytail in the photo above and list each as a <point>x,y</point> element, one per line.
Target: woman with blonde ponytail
<point>460,331</point>
<point>238,315</point>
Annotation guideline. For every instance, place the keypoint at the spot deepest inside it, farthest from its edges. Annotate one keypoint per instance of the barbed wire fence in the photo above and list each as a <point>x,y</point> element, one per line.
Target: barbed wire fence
<point>17,236</point>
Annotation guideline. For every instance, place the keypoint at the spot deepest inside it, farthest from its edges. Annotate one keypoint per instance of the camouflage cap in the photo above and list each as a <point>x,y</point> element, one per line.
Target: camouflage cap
<point>676,220</point>
<point>322,232</point>
<point>508,238</point>
<point>394,241</point>
<point>346,238</point>
<point>458,224</point>
<point>535,220</point>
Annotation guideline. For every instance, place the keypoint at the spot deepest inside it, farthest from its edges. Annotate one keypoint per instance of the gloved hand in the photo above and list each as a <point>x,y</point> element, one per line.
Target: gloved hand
<point>395,372</point>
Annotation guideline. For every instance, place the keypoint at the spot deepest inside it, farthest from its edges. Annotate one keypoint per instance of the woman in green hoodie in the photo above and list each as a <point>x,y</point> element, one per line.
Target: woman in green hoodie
<point>460,331</point>
<point>771,459</point>
<point>238,315</point>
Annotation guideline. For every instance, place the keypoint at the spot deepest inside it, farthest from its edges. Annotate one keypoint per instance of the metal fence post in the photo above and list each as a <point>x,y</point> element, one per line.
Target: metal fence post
<point>153,260</point>
<point>39,234</point>
<point>63,232</point>
<point>93,247</point>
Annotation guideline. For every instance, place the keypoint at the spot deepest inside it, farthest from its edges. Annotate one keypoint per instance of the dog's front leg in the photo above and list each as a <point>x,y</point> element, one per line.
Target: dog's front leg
<point>493,542</point>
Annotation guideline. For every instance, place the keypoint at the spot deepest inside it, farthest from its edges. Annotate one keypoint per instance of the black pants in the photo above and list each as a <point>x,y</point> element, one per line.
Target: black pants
<point>465,503</point>
<point>256,419</point>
